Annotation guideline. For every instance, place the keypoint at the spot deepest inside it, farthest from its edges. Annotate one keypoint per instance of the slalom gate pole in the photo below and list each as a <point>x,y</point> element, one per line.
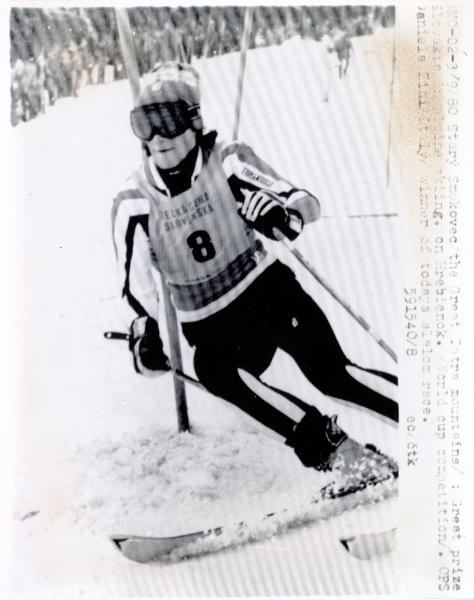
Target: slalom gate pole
<point>243,56</point>
<point>133,73</point>
<point>362,322</point>
<point>175,358</point>
<point>127,47</point>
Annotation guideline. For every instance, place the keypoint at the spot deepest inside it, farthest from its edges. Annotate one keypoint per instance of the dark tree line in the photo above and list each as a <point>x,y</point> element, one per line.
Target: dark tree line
<point>54,52</point>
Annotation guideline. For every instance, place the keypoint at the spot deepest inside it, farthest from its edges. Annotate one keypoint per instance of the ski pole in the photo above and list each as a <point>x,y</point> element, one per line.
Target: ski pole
<point>181,375</point>
<point>362,322</point>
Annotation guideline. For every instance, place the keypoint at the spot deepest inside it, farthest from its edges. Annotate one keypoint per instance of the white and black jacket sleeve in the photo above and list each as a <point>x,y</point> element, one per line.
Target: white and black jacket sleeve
<point>246,171</point>
<point>134,255</point>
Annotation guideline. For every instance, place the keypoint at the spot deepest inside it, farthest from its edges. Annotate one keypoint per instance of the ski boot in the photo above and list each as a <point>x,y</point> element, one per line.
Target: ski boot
<point>320,443</point>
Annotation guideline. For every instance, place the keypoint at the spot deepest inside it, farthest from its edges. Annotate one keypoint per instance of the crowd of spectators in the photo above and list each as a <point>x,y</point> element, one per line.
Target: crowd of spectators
<point>55,52</point>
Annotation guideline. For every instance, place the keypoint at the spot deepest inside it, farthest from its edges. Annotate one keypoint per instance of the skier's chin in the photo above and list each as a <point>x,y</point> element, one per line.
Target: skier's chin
<point>168,153</point>
<point>166,159</point>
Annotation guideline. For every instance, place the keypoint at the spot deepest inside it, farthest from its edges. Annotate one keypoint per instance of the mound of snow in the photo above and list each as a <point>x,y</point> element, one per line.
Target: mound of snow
<point>153,482</point>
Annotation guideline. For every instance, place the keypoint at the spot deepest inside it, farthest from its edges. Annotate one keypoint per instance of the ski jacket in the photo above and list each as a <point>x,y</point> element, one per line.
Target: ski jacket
<point>203,248</point>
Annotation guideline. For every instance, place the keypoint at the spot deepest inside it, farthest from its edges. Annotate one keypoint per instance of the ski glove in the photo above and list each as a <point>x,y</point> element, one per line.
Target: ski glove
<point>265,213</point>
<point>147,348</point>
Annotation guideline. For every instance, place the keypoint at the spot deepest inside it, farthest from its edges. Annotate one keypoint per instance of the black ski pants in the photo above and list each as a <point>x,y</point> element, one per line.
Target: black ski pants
<point>275,312</point>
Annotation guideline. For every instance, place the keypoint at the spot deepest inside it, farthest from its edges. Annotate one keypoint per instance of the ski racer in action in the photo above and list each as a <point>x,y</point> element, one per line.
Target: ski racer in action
<point>191,211</point>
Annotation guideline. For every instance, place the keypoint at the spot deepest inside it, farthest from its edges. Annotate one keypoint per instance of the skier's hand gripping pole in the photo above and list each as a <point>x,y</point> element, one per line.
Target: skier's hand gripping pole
<point>178,373</point>
<point>146,346</point>
<point>280,236</point>
<point>265,213</point>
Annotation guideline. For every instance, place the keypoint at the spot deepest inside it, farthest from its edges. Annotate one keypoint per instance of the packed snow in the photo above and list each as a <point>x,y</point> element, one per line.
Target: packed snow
<point>97,449</point>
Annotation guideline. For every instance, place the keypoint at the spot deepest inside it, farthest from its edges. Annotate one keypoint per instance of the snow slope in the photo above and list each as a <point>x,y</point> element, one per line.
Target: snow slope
<point>97,451</point>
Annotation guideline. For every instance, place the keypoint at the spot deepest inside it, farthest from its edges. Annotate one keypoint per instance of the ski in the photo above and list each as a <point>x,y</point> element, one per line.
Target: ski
<point>145,549</point>
<point>365,546</point>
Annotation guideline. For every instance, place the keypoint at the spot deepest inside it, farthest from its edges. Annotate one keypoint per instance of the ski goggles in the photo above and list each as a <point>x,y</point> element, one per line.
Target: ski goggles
<point>167,119</point>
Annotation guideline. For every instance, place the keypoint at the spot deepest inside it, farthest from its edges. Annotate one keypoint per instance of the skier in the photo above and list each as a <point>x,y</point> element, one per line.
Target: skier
<point>191,211</point>
<point>344,49</point>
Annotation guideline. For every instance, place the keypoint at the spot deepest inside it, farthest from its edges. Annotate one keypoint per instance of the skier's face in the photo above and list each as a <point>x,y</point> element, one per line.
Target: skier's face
<point>167,153</point>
